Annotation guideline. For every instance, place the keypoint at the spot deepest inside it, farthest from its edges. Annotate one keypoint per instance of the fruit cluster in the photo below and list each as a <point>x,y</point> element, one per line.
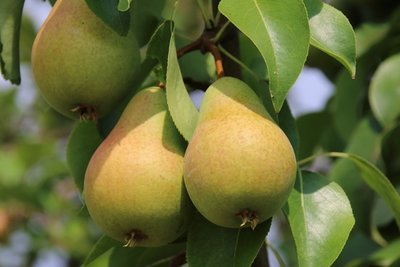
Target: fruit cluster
<point>238,169</point>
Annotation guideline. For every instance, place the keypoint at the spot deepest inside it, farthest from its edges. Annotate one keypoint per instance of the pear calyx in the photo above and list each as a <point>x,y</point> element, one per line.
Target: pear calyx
<point>249,218</point>
<point>133,238</point>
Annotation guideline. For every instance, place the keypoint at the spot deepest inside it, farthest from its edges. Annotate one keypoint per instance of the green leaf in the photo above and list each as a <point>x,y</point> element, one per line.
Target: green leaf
<point>214,246</point>
<point>10,25</point>
<point>159,45</point>
<point>182,109</point>
<point>102,246</point>
<point>384,91</point>
<point>320,218</point>
<point>108,11</point>
<point>332,33</point>
<point>364,142</point>
<point>280,31</point>
<point>144,257</point>
<point>124,5</point>
<point>377,181</point>
<point>82,143</point>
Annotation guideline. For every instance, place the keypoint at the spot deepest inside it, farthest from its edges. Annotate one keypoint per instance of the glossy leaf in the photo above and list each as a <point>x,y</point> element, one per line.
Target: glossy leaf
<point>82,143</point>
<point>384,91</point>
<point>332,33</point>
<point>108,11</point>
<point>10,24</point>
<point>144,257</point>
<point>280,31</point>
<point>377,181</point>
<point>320,218</point>
<point>212,245</point>
<point>102,245</point>
<point>182,109</point>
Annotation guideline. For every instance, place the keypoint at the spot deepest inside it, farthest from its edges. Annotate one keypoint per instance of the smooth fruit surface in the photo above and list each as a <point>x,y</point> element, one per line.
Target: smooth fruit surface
<point>239,167</point>
<point>82,67</point>
<point>134,181</point>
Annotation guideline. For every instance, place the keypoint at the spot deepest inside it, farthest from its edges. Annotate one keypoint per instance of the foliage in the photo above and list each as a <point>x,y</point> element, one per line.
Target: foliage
<point>345,207</point>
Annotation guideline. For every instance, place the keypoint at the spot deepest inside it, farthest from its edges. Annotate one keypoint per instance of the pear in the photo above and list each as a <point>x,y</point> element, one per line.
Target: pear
<point>239,166</point>
<point>133,186</point>
<point>82,67</point>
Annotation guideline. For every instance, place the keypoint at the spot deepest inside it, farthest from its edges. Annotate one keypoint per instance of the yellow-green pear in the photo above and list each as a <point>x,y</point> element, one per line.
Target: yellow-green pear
<point>133,186</point>
<point>239,166</point>
<point>82,67</point>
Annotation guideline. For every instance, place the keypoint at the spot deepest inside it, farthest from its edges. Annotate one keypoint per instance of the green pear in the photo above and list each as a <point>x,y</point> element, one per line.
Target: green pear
<point>133,186</point>
<point>82,67</point>
<point>239,166</point>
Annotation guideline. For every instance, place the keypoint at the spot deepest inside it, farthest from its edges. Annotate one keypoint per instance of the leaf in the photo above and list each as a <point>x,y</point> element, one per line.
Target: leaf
<point>108,11</point>
<point>384,91</point>
<point>320,218</point>
<point>10,25</point>
<point>144,257</point>
<point>124,5</point>
<point>332,33</point>
<point>364,142</point>
<point>102,245</point>
<point>182,109</point>
<point>159,45</point>
<point>280,31</point>
<point>377,181</point>
<point>214,246</point>
<point>82,143</point>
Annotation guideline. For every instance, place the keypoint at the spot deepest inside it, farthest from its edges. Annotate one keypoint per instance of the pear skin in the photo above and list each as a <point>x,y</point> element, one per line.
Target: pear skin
<point>133,185</point>
<point>82,67</point>
<point>239,166</point>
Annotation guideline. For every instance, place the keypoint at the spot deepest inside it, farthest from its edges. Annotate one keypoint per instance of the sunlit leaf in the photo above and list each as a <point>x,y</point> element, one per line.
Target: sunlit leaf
<point>280,31</point>
<point>320,218</point>
<point>182,109</point>
<point>332,33</point>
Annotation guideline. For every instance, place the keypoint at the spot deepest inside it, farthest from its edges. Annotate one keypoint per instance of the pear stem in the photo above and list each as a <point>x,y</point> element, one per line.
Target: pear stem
<point>205,44</point>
